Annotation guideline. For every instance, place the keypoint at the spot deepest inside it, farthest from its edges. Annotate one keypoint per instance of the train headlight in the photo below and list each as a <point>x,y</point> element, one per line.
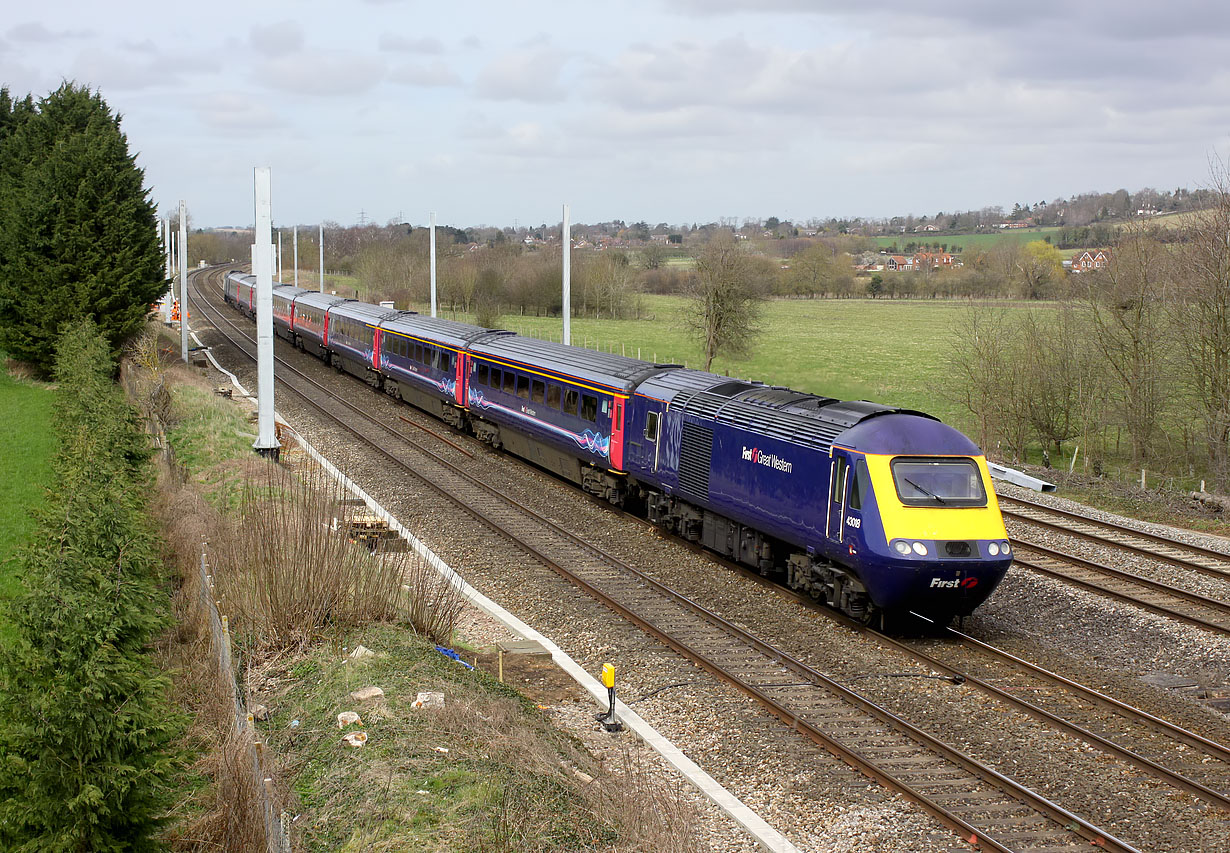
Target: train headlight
<point>1007,549</point>
<point>920,549</point>
<point>902,548</point>
<point>993,549</point>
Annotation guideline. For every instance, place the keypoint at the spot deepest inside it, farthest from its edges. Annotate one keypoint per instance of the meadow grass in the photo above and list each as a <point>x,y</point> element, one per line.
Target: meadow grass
<point>888,351</point>
<point>25,470</point>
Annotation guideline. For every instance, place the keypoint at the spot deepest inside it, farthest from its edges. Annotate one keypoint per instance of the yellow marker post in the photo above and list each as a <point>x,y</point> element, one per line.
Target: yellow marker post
<point>608,681</point>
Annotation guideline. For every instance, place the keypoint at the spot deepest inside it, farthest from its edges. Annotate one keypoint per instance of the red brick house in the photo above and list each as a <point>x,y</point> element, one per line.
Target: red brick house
<point>1090,259</point>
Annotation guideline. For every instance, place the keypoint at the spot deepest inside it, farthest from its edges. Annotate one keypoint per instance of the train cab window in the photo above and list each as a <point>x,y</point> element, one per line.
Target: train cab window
<point>510,382</point>
<point>861,479</point>
<point>942,481</point>
<point>483,374</point>
<point>570,401</point>
<point>589,408</point>
<point>538,391</point>
<point>553,395</point>
<point>523,387</point>
<point>651,426</point>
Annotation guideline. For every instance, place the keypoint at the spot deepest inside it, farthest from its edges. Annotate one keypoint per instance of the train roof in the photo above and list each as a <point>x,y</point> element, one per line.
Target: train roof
<point>364,312</point>
<point>316,299</point>
<point>773,411</point>
<point>599,368</point>
<point>905,433</point>
<point>289,291</point>
<point>448,332</point>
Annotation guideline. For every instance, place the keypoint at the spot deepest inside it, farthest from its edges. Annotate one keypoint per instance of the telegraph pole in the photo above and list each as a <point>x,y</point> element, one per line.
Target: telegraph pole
<point>266,443</point>
<point>183,280</point>
<point>566,233</point>
<point>433,265</point>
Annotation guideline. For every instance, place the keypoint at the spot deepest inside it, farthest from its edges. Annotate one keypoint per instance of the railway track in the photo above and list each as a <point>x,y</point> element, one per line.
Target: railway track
<point>1192,558</point>
<point>965,794</point>
<point>1196,589</point>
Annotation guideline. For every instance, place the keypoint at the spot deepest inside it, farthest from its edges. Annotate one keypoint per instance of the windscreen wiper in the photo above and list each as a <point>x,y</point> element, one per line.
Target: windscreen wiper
<point>924,491</point>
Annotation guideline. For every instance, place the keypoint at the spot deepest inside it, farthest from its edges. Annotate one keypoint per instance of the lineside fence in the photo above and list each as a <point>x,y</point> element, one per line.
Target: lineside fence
<point>277,820</point>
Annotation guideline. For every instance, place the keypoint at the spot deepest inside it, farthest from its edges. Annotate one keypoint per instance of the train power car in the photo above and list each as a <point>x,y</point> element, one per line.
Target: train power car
<point>875,510</point>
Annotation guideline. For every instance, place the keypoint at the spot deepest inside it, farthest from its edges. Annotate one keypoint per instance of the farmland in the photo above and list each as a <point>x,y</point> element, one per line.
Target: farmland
<point>887,351</point>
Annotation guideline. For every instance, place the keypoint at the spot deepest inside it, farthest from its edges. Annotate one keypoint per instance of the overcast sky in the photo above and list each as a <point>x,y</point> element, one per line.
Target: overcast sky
<point>664,110</point>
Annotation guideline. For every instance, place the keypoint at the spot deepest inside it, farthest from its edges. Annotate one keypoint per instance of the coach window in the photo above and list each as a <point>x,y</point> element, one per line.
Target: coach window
<point>484,374</point>
<point>523,387</point>
<point>589,408</point>
<point>570,401</point>
<point>510,382</point>
<point>651,426</point>
<point>553,395</point>
<point>446,361</point>
<point>538,391</point>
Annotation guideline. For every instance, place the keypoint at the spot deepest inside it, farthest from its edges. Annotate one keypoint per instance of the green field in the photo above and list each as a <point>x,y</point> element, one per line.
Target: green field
<point>887,351</point>
<point>25,468</point>
<point>981,241</point>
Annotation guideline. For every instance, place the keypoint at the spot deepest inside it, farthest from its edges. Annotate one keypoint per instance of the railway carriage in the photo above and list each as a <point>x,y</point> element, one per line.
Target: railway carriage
<point>351,338</point>
<point>561,407</point>
<point>311,321</point>
<point>240,291</point>
<point>423,360</point>
<point>284,296</point>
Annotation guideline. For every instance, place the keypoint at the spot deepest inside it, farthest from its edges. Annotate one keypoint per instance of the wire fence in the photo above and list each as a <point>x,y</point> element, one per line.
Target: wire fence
<point>276,819</point>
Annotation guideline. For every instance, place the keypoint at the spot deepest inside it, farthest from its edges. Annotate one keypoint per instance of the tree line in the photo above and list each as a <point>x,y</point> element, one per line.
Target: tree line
<point>1131,362</point>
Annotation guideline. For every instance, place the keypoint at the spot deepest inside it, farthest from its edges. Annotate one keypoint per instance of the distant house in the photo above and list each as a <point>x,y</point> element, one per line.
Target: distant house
<point>1027,223</point>
<point>933,260</point>
<point>927,227</point>
<point>899,263</point>
<point>1090,259</point>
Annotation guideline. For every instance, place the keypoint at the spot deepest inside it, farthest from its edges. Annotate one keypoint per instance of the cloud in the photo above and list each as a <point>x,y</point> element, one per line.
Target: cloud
<point>235,111</point>
<point>279,39</point>
<point>424,74</point>
<point>527,75</point>
<point>321,73</point>
<point>401,44</point>
<point>34,31</point>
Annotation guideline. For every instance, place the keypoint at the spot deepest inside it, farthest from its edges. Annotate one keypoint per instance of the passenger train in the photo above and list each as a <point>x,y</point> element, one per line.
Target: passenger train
<point>876,510</point>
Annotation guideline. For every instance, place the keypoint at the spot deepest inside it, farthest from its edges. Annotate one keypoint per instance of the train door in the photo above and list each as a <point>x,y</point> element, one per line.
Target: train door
<point>839,475</point>
<point>617,434</point>
<point>462,373</point>
<point>376,340</point>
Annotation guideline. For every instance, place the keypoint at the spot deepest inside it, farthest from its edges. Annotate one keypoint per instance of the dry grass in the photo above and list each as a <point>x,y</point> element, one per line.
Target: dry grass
<point>287,570</point>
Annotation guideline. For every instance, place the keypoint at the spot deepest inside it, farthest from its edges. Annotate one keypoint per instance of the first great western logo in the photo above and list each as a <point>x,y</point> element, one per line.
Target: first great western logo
<point>769,460</point>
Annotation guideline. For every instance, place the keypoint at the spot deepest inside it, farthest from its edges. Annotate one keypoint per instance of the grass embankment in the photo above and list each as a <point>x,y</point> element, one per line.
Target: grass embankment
<point>25,470</point>
<point>980,241</point>
<point>485,772</point>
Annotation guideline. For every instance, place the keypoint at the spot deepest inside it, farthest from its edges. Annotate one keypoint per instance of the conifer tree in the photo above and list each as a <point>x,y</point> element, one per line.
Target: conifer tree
<point>77,232</point>
<point>86,744</point>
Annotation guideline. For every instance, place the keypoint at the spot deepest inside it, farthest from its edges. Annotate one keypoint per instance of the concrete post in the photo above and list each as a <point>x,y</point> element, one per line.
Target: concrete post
<point>183,280</point>
<point>266,439</point>
<point>433,265</point>
<point>279,266</point>
<point>322,259</point>
<point>164,230</point>
<point>295,251</point>
<point>566,240</point>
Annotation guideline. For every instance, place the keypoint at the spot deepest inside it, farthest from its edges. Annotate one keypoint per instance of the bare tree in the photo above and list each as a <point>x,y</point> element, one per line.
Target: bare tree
<point>1202,323</point>
<point>725,299</point>
<point>1126,305</point>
